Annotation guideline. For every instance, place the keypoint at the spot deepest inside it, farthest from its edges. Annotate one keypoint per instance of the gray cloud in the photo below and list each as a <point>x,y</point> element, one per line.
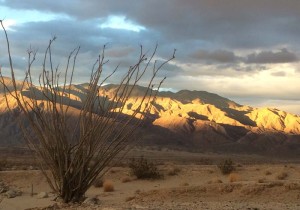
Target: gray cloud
<point>119,51</point>
<point>221,56</point>
<point>283,56</point>
<point>228,57</point>
<point>278,74</point>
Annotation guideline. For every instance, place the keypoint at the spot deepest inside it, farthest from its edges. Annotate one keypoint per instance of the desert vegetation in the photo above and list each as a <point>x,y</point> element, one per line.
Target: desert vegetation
<point>226,166</point>
<point>144,169</point>
<point>173,171</point>
<point>98,182</point>
<point>74,150</point>
<point>282,175</point>
<point>3,164</point>
<point>195,186</point>
<point>234,177</point>
<point>108,186</point>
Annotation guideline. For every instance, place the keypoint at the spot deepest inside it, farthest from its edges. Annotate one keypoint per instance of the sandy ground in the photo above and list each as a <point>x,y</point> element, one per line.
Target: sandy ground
<point>195,186</point>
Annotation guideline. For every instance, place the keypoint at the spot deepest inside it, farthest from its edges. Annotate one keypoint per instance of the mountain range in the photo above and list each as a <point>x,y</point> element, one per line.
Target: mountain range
<point>193,120</point>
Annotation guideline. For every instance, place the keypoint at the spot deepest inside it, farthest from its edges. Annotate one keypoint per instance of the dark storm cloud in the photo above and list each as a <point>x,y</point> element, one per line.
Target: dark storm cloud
<point>283,56</point>
<point>240,24</point>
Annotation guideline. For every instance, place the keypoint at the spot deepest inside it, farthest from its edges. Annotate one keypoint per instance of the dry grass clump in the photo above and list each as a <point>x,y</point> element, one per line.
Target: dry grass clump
<point>126,179</point>
<point>292,186</point>
<point>274,184</point>
<point>282,176</point>
<point>108,186</point>
<point>112,171</point>
<point>130,198</point>
<point>210,171</point>
<point>268,173</point>
<point>234,177</point>
<point>173,171</point>
<point>215,181</point>
<point>239,165</point>
<point>227,188</point>
<point>252,189</point>
<point>261,180</point>
<point>185,184</point>
<point>98,183</point>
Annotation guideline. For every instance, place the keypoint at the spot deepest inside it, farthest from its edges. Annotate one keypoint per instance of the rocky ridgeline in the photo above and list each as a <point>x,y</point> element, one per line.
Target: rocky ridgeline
<point>193,119</point>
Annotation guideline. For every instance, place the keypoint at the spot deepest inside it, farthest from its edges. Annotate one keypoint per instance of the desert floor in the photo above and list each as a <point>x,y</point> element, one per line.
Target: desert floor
<point>191,181</point>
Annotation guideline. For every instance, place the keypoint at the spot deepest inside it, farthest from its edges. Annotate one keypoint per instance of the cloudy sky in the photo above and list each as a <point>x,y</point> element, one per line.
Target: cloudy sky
<point>246,50</point>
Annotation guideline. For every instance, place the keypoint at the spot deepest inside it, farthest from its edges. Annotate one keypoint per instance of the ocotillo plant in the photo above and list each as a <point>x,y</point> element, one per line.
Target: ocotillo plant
<point>75,149</point>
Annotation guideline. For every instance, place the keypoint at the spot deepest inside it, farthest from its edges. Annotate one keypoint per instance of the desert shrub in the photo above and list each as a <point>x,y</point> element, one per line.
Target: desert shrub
<point>252,189</point>
<point>108,186</point>
<point>233,177</point>
<point>126,179</point>
<point>143,169</point>
<point>227,188</point>
<point>268,173</point>
<point>210,171</point>
<point>205,161</point>
<point>173,171</point>
<point>3,164</point>
<point>98,182</point>
<point>282,175</point>
<point>239,165</point>
<point>261,180</point>
<point>226,166</point>
<point>274,184</point>
<point>185,184</point>
<point>292,186</point>
<point>113,171</point>
<point>130,198</point>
